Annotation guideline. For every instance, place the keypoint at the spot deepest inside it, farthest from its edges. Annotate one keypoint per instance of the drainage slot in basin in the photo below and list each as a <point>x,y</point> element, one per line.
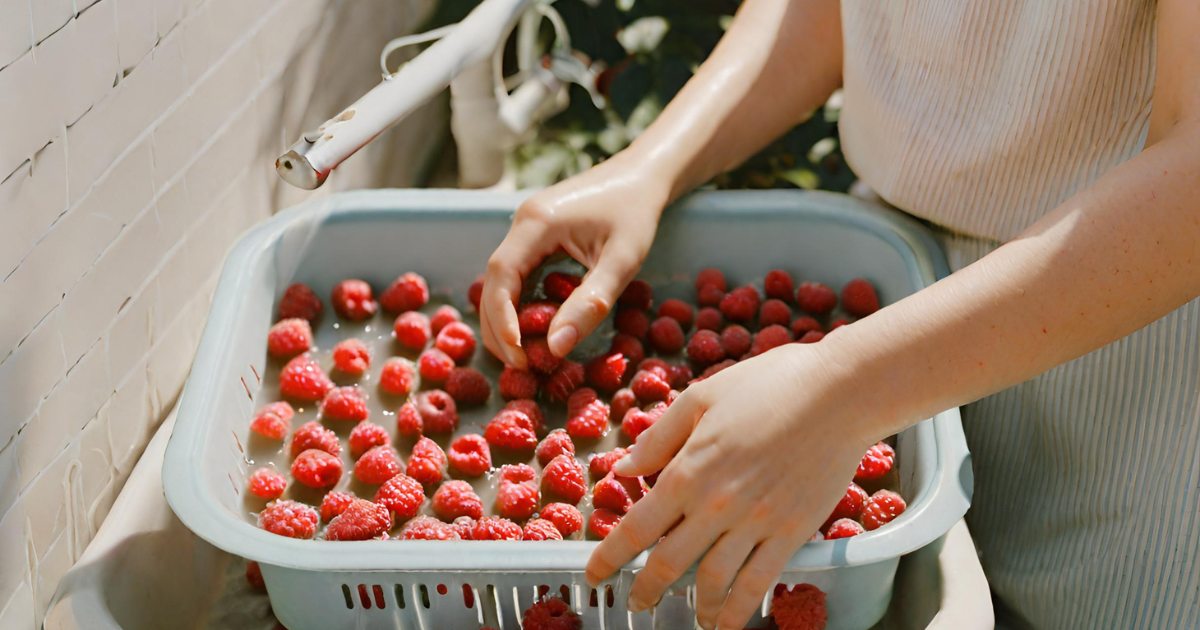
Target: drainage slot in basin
<point>346,594</point>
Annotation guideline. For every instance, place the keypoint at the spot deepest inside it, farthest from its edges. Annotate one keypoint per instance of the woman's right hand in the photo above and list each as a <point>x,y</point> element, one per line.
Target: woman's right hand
<point>605,218</point>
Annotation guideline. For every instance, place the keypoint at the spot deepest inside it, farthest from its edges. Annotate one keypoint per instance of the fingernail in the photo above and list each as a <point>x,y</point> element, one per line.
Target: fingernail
<point>635,605</point>
<point>562,340</point>
<point>621,466</point>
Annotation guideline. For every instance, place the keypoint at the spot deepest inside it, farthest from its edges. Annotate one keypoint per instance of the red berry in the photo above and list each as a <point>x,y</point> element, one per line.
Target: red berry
<point>666,335</point>
<point>300,301</point>
<point>616,494</point>
<point>710,296</point>
<point>838,323</point>
<point>774,313</point>
<point>397,377</point>
<point>352,299</point>
<point>850,506</point>
<point>273,421</point>
<point>468,386</point>
<point>438,412</point>
<point>812,336</point>
<point>875,463</point>
<point>289,337</point>
<point>435,366</point>
<point>408,420</point>
<point>815,297</point>
<point>656,365</point>
<point>475,292</point>
<point>492,528</point>
<point>254,576</point>
<point>649,387</point>
<point>736,340</point>
<point>678,310</point>
<point>803,325</point>
<point>680,376</point>
<point>378,465</point>
<point>859,298</point>
<point>516,384</point>
<point>335,503</point>
<point>303,379</point>
<point>361,520</point>
<point>555,444</point>
<point>566,518</point>
<point>770,338</point>
<point>637,294</point>
<point>843,528</point>
<point>565,378</point>
<point>470,455</point>
<point>402,495</point>
<point>709,318</point>
<point>517,495</point>
<point>881,509</point>
<point>428,528</point>
<point>601,463</point>
<point>580,399</point>
<point>289,518</point>
<point>590,421</point>
<point>540,529</point>
<point>607,371</point>
<point>740,305</point>
<point>563,477</point>
<point>559,286</point>
<point>457,340</point>
<point>456,498</point>
<point>511,430</point>
<point>635,422</point>
<point>704,348</point>
<point>716,367</point>
<point>533,318</point>
<point>352,357</point>
<point>517,473</point>
<point>365,436</point>
<point>529,408</point>
<point>622,401</point>
<point>537,351</point>
<point>779,285</point>
<point>632,322</point>
<point>317,469</point>
<point>465,526</point>
<point>426,462</point>
<point>345,403</point>
<point>712,277</point>
<point>313,435</point>
<point>412,330</point>
<point>409,292</point>
<point>267,484</point>
<point>801,608</point>
<point>602,522</point>
<point>551,614</point>
<point>445,314</point>
<point>629,347</point>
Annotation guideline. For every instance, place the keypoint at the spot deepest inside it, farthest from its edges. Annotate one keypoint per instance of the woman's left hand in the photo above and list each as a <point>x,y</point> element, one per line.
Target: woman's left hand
<point>753,461</point>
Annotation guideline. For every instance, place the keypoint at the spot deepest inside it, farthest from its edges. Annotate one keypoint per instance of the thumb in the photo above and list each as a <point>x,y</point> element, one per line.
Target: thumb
<point>591,301</point>
<point>657,446</point>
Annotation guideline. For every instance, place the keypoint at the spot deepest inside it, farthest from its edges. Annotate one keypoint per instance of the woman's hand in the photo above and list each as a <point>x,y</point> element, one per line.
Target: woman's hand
<point>605,218</point>
<point>753,460</point>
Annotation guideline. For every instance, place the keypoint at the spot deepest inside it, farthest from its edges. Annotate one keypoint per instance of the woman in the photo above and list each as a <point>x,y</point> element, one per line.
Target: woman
<point>1057,147</point>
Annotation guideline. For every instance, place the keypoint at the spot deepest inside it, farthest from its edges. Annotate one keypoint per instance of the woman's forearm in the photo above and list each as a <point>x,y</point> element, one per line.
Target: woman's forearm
<point>780,60</point>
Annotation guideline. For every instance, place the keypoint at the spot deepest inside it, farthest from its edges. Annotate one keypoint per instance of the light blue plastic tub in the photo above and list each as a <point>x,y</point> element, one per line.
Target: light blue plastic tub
<point>447,235</point>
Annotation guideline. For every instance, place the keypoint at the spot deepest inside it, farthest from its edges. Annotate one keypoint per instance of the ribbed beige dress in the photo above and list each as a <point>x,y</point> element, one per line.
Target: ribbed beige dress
<point>981,116</point>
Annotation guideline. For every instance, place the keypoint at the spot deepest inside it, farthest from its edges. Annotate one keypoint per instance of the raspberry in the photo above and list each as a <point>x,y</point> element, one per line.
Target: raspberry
<point>704,348</point>
<point>456,498</point>
<point>635,422</point>
<point>335,503</point>
<point>438,412</point>
<point>740,305</point>
<point>843,528</point>
<point>457,340</point>
<point>850,506</point>
<point>412,330</point>
<point>555,444</point>
<point>289,518</point>
<point>401,494</point>
<point>666,335</point>
<point>801,608</point>
<point>409,292</point>
<point>470,455</point>
<point>770,338</point>
<point>565,378</point>
<point>303,379</point>
<point>475,292</point>
<point>529,408</point>
<point>563,477</point>
<point>492,528</point>
<point>774,312</point>
<point>428,528</point>
<point>875,463</point>
<point>803,325</point>
<point>589,422</point>
<point>361,520</point>
<point>426,462</point>
<point>559,286</point>
<point>351,357</point>
<point>658,366</point>
<point>254,576</point>
<point>678,310</point>
<point>353,300</point>
<point>680,376</point>
<point>397,377</point>
<point>551,614</point>
<point>517,473</point>
<point>629,347</point>
<point>435,366</point>
<point>637,294</point>
<point>540,529</point>
<point>273,421</point>
<point>511,430</point>
<point>468,386</point>
<point>267,484</point>
<point>377,465</point>
<point>317,469</point>
<point>365,436</point>
<point>622,401</point>
<point>517,499</point>
<point>649,387</point>
<point>838,323</point>
<point>632,322</point>
<point>408,420</point>
<point>815,297</point>
<point>312,435</point>
<point>710,296</point>
<point>709,318</point>
<point>541,360</point>
<point>779,285</point>
<point>712,277</point>
<point>601,463</point>
<point>716,367</point>
<point>602,522</point>
<point>881,508</point>
<point>566,518</point>
<point>299,301</point>
<point>580,399</point>
<point>465,526</point>
<point>345,403</point>
<point>812,336</point>
<point>736,340</point>
<point>516,384</point>
<point>534,318</point>
<point>606,371</point>
<point>289,337</point>
<point>445,314</point>
<point>859,298</point>
<point>616,494</point>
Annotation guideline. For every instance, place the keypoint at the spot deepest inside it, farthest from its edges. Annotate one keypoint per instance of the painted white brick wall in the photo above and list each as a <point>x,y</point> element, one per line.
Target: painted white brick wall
<point>140,143</point>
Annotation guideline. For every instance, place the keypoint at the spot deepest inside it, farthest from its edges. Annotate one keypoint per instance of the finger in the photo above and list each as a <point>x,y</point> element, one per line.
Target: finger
<point>591,301</point>
<point>657,445</point>
<point>753,581</point>
<point>671,558</point>
<point>522,250</point>
<point>645,523</point>
<point>717,571</point>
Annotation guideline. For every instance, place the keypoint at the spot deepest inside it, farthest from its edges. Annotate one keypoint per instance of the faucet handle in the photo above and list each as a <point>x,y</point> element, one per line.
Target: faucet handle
<point>574,67</point>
